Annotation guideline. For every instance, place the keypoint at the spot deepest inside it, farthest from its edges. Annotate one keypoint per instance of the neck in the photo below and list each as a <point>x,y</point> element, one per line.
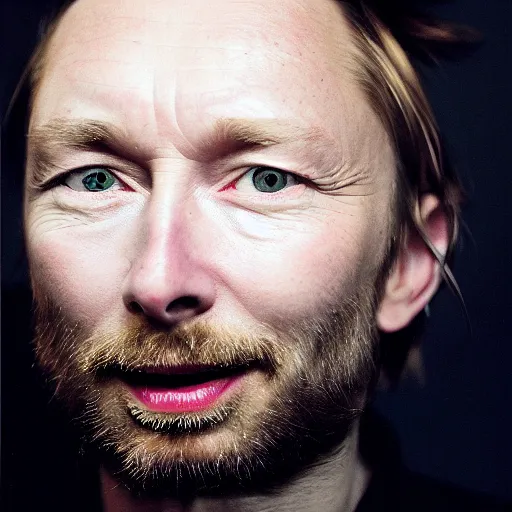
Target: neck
<point>335,484</point>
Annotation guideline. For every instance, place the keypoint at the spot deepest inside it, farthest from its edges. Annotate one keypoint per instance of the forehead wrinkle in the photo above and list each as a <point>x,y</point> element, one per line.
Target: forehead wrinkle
<point>181,138</point>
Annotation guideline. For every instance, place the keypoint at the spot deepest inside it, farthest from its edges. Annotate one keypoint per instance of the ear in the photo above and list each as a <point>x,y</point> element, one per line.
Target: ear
<point>416,274</point>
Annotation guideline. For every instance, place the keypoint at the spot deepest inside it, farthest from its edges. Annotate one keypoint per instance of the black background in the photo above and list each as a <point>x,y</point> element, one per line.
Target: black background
<point>457,424</point>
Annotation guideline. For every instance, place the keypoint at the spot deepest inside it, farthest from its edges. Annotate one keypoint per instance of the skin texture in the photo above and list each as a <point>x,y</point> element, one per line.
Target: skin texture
<point>184,219</point>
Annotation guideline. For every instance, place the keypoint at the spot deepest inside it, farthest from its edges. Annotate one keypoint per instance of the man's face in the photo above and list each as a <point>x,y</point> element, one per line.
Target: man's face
<point>208,211</point>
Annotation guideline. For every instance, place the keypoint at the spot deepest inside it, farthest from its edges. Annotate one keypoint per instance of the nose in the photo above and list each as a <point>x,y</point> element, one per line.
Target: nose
<point>168,281</point>
<point>168,304</point>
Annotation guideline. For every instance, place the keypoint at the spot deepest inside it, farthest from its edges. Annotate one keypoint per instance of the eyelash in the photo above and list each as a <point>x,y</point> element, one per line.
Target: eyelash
<point>253,169</point>
<point>61,179</point>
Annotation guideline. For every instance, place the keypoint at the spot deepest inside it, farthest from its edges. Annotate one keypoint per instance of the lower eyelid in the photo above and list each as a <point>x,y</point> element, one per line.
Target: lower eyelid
<point>282,196</point>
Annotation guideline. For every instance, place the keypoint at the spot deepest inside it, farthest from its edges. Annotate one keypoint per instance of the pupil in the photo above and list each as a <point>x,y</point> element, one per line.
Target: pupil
<point>270,179</point>
<point>98,181</point>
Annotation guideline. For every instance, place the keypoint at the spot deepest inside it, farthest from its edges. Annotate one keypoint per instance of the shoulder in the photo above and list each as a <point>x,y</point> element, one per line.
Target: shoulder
<point>421,493</point>
<point>410,492</point>
<point>395,488</point>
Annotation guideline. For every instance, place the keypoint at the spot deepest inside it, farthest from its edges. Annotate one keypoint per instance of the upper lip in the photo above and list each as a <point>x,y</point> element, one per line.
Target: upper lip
<point>181,370</point>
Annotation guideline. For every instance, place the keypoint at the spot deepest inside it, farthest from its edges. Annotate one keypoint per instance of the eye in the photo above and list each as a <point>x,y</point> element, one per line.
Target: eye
<point>266,179</point>
<point>96,179</point>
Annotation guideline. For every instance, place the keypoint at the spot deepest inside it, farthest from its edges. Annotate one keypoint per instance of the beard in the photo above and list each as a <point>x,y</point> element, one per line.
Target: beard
<point>305,387</point>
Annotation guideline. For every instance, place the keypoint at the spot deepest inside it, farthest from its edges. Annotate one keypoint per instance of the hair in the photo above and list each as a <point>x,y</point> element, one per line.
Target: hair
<point>388,35</point>
<point>386,73</point>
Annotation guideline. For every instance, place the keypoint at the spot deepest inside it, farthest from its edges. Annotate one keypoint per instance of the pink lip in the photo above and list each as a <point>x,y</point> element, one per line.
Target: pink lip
<point>183,399</point>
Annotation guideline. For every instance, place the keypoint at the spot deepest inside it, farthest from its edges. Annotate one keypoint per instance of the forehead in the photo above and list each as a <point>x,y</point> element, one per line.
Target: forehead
<point>146,61</point>
<point>291,26</point>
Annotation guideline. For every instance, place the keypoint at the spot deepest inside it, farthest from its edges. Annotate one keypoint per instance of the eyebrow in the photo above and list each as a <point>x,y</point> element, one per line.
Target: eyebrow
<point>259,132</point>
<point>228,135</point>
<point>79,134</point>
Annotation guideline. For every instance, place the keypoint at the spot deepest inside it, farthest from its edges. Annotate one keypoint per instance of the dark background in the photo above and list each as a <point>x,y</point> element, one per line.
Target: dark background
<point>457,424</point>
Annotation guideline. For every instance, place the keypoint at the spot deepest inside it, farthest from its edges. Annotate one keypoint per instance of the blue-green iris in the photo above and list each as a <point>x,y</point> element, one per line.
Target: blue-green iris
<point>269,180</point>
<point>98,181</point>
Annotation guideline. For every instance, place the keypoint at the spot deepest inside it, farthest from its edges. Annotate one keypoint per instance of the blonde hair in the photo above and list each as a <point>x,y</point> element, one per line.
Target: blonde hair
<point>386,74</point>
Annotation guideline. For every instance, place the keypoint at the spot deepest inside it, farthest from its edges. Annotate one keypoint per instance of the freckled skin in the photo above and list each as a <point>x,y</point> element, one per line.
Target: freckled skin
<point>164,72</point>
<point>163,80</point>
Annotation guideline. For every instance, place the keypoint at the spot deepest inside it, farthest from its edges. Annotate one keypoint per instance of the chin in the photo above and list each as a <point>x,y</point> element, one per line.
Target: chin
<point>245,443</point>
<point>210,450</point>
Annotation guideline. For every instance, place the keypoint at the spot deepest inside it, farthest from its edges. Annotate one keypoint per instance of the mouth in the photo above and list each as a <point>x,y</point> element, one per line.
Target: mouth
<point>182,389</point>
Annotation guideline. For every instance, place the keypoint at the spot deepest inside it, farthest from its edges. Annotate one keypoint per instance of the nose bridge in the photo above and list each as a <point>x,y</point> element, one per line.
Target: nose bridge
<point>164,247</point>
<point>167,280</point>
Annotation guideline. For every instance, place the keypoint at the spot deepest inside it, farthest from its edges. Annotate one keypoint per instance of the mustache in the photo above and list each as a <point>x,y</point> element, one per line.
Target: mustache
<point>141,347</point>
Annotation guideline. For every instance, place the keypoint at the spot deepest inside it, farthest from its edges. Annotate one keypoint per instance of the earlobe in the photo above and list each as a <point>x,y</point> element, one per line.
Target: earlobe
<point>416,274</point>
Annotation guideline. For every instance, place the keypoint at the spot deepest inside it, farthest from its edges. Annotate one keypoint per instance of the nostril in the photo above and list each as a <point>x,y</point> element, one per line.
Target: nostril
<point>135,307</point>
<point>183,303</point>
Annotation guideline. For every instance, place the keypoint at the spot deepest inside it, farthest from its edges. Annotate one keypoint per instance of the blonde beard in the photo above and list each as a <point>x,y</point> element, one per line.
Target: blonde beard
<point>312,380</point>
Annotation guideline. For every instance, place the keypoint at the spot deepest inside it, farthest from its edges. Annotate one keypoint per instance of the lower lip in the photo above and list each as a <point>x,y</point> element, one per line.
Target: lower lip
<point>184,399</point>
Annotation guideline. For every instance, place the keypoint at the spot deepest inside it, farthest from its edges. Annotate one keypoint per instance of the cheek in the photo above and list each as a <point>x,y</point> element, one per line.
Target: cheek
<point>304,266</point>
<point>80,268</point>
